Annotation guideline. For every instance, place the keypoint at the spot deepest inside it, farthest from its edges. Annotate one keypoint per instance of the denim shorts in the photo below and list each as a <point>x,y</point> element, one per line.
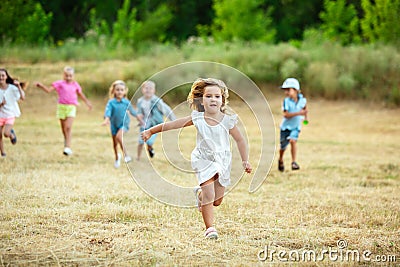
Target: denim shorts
<point>287,135</point>
<point>115,129</point>
<point>151,140</point>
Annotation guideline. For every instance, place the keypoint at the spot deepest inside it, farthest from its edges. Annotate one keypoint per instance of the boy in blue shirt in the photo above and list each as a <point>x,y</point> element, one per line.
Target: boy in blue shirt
<point>294,109</point>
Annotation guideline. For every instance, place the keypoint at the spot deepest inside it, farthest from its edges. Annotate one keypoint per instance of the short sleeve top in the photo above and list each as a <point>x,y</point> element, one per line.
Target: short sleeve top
<point>11,96</point>
<point>213,138</point>
<point>290,105</point>
<point>67,92</point>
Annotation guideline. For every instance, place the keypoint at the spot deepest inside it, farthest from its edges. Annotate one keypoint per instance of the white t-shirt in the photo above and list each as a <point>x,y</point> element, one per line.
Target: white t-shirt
<point>11,108</point>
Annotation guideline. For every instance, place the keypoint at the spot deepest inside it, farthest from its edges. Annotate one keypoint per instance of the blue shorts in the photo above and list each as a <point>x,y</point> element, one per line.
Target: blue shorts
<point>150,141</point>
<point>287,135</point>
<point>115,129</point>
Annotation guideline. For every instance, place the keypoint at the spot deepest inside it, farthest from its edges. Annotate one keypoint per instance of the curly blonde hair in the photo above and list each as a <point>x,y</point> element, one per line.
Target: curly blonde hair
<point>197,91</point>
<point>112,88</point>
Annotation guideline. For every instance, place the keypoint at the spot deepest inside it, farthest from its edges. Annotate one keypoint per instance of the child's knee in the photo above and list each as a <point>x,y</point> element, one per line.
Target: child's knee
<point>292,141</point>
<point>217,202</point>
<point>207,196</point>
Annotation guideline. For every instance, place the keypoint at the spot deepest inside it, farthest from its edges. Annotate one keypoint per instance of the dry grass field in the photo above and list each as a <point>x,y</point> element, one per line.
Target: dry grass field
<point>79,210</point>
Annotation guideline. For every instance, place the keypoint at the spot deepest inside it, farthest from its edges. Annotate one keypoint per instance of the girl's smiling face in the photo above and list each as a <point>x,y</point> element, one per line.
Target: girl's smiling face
<point>212,99</point>
<point>3,77</point>
<point>119,91</point>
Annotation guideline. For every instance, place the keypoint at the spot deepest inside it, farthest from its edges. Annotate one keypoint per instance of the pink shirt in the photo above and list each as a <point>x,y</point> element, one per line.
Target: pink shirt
<point>67,92</point>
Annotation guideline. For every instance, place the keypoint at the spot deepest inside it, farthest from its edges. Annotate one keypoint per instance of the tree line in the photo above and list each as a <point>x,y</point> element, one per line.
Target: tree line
<point>132,22</point>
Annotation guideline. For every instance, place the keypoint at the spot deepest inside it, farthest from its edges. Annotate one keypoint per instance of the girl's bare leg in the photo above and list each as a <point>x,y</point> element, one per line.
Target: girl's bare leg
<point>1,141</point>
<point>209,190</point>
<point>115,146</point>
<point>118,138</point>
<point>66,127</point>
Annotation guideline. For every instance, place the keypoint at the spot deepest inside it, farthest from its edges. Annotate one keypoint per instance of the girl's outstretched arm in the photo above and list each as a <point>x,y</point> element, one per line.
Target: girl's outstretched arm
<point>241,144</point>
<point>166,126</point>
<point>44,87</point>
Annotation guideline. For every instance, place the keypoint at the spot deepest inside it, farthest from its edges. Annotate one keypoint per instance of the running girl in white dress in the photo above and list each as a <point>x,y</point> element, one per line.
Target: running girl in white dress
<point>211,159</point>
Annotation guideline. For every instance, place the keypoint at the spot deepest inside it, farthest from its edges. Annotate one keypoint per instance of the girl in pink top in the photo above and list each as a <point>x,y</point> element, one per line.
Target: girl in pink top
<point>68,91</point>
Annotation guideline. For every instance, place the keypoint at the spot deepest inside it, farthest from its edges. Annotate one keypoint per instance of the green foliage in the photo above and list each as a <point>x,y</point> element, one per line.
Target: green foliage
<point>155,25</point>
<point>381,20</point>
<point>125,26</point>
<point>340,22</point>
<point>128,30</point>
<point>97,27</point>
<point>325,69</point>
<point>35,28</point>
<point>241,20</point>
<point>12,13</point>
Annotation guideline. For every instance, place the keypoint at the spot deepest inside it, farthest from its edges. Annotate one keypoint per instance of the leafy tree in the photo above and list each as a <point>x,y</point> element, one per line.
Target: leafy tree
<point>126,25</point>
<point>381,22</point>
<point>127,29</point>
<point>292,17</point>
<point>340,22</point>
<point>35,28</point>
<point>241,20</point>
<point>154,26</point>
<point>12,13</point>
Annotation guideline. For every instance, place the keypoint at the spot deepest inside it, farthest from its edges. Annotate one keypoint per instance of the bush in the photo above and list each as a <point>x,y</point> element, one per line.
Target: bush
<point>328,69</point>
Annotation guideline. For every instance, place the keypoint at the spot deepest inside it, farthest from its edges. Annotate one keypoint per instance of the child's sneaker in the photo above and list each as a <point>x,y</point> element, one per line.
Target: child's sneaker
<point>151,152</point>
<point>281,166</point>
<point>211,233</point>
<point>128,159</point>
<point>295,166</point>
<point>67,151</point>
<point>3,155</point>
<point>117,163</point>
<point>13,139</point>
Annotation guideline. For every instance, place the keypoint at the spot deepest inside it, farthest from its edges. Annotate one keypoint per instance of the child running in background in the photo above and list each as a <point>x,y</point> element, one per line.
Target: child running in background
<point>294,109</point>
<point>116,116</point>
<point>212,158</point>
<point>152,109</point>
<point>68,91</point>
<point>10,93</point>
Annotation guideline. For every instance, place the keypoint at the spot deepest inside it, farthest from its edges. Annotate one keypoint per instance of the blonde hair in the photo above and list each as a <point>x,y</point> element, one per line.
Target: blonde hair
<point>149,83</point>
<point>69,69</point>
<point>112,88</point>
<point>197,91</point>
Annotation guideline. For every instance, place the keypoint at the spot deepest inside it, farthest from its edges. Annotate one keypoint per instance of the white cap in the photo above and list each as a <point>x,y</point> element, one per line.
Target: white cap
<point>291,83</point>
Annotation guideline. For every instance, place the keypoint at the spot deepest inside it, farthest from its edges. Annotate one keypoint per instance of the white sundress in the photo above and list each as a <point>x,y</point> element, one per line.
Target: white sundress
<point>212,153</point>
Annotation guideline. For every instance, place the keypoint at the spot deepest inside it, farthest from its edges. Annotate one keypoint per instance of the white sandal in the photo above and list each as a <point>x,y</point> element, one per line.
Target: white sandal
<point>211,233</point>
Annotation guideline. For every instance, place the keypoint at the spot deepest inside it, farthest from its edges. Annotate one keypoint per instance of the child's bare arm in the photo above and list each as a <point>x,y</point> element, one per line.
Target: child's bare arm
<point>166,126</point>
<point>87,102</point>
<point>106,121</point>
<point>44,87</point>
<point>241,144</point>
<point>21,92</point>
<point>288,115</point>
